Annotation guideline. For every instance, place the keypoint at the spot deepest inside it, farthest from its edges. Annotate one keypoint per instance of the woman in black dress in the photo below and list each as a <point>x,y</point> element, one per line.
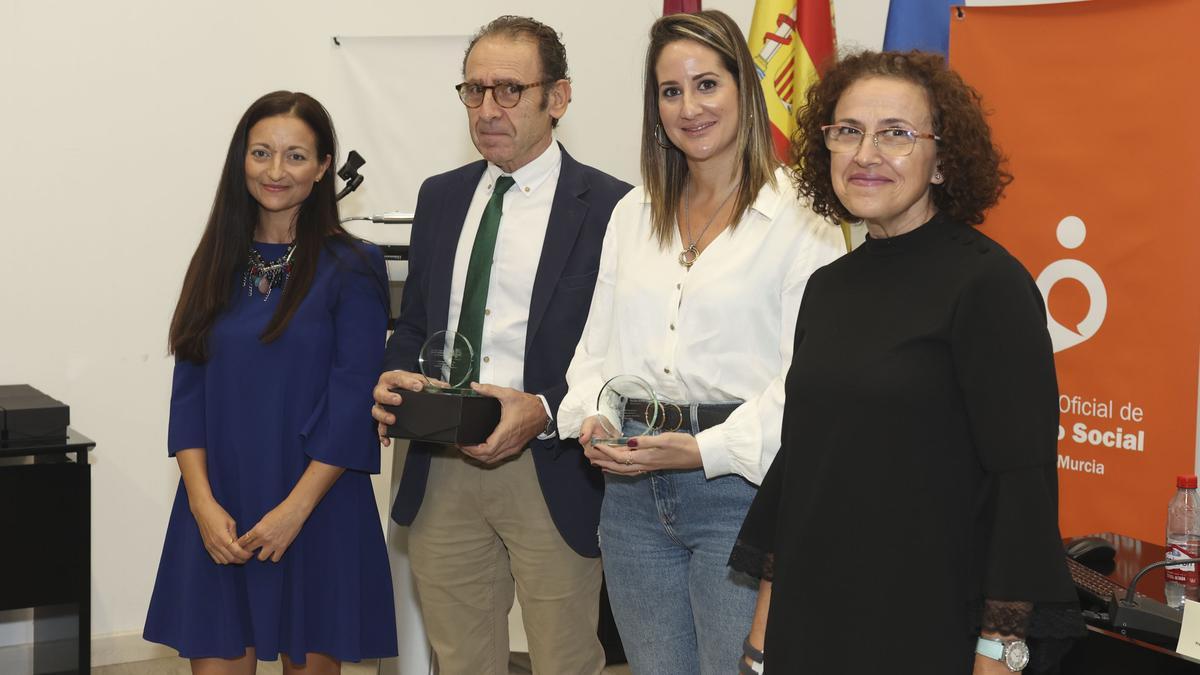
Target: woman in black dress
<point>909,522</point>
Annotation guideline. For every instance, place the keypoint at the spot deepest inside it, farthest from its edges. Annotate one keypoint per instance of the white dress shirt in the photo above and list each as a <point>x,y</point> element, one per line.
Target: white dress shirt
<point>721,331</point>
<point>519,240</point>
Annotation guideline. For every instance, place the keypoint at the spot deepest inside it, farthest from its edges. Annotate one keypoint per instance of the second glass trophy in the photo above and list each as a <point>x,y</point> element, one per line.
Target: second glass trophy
<point>627,398</point>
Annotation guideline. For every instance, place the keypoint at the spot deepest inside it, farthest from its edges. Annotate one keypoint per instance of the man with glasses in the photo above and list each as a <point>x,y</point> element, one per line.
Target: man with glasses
<point>505,251</point>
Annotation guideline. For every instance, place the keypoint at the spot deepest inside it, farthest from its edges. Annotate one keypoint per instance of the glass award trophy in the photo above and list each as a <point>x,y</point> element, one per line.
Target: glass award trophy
<point>446,410</point>
<point>626,398</point>
<point>446,361</point>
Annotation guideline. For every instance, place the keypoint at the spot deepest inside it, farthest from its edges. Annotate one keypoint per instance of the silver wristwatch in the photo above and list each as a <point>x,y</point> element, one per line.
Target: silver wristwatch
<point>1014,654</point>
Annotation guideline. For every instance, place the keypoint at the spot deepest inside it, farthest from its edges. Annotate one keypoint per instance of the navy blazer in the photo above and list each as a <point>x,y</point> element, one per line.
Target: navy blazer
<point>562,293</point>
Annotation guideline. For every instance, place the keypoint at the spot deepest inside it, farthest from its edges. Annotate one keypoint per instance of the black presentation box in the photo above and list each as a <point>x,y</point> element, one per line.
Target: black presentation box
<point>444,418</point>
<point>27,414</point>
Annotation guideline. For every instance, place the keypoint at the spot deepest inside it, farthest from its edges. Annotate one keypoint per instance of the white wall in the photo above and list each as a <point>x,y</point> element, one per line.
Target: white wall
<point>117,115</point>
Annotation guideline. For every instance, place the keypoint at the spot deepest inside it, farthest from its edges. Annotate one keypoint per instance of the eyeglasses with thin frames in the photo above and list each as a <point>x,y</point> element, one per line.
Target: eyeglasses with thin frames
<point>893,141</point>
<point>505,94</point>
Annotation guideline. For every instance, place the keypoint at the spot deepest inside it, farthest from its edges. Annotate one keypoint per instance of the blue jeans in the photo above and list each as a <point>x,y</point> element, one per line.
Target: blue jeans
<point>665,539</point>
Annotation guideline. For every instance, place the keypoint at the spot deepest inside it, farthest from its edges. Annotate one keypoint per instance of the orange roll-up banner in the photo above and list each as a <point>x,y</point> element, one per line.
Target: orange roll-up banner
<point>1092,102</point>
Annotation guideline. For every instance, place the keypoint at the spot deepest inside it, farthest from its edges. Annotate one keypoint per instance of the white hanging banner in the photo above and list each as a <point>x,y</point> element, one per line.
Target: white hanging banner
<point>395,104</point>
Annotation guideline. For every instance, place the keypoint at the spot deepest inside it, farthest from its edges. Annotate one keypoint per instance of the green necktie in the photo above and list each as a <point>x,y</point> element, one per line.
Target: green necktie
<point>479,272</point>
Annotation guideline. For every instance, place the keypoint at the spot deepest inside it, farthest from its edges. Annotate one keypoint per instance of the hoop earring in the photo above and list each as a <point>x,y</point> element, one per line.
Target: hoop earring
<point>660,137</point>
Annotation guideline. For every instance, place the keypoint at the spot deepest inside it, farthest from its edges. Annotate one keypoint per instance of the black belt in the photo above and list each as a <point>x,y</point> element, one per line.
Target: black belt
<point>678,416</point>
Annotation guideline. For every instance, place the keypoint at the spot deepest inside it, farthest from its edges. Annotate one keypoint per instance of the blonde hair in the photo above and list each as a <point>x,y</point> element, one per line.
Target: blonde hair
<point>664,170</point>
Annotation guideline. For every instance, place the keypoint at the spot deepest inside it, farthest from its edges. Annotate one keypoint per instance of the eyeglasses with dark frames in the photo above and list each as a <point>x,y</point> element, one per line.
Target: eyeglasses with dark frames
<point>893,141</point>
<point>505,94</point>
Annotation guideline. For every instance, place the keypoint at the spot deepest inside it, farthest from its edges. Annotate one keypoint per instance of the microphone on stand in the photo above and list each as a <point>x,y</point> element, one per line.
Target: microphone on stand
<point>349,173</point>
<point>1143,615</point>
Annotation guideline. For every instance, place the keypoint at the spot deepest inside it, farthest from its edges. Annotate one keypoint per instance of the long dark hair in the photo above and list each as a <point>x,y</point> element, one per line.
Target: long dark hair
<point>221,255</point>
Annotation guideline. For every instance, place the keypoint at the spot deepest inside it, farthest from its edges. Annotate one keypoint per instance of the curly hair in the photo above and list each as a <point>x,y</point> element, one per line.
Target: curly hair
<point>972,166</point>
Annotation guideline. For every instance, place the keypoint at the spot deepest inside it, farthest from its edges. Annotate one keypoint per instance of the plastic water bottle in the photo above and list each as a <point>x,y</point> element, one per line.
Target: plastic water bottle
<point>1183,541</point>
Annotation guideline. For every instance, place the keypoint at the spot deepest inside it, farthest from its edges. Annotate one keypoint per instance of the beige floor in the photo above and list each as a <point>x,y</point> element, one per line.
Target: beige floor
<point>175,666</point>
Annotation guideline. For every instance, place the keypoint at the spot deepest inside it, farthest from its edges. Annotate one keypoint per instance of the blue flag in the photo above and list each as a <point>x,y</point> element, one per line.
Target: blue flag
<point>919,24</point>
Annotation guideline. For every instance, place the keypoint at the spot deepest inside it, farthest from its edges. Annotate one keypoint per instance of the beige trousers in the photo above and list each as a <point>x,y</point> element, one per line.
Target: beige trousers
<point>481,531</point>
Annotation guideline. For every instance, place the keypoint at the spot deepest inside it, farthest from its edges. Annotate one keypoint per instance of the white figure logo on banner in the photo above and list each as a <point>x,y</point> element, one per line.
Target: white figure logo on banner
<point>1071,233</point>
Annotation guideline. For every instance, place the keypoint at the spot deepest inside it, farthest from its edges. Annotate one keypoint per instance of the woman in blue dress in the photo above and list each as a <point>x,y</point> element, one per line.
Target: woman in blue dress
<point>274,546</point>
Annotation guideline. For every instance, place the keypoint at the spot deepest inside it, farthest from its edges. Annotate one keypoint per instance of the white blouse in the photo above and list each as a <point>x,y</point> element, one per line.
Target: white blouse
<point>722,330</point>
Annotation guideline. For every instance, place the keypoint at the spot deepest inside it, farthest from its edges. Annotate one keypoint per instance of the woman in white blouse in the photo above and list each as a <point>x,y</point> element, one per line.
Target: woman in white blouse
<point>699,285</point>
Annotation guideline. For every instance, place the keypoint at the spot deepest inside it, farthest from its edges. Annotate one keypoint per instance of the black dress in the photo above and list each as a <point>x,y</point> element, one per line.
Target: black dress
<point>917,469</point>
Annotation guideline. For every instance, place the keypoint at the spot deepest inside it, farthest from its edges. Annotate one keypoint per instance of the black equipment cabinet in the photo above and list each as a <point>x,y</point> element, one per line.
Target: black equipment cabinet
<point>45,523</point>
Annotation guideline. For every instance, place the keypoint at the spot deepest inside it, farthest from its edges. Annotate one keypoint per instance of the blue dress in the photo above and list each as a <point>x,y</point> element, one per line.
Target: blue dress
<point>262,411</point>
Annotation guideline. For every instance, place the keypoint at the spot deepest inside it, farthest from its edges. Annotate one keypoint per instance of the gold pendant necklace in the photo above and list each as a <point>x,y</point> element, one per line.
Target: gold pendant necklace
<point>689,255</point>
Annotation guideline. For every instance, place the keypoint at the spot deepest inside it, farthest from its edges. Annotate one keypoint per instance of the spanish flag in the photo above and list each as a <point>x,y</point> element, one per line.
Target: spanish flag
<point>680,7</point>
<point>791,41</point>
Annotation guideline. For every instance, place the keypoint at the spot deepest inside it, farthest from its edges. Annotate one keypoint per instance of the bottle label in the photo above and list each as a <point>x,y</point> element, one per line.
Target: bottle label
<point>1186,573</point>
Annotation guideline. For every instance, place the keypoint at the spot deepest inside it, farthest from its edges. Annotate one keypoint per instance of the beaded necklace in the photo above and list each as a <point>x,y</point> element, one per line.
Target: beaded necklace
<point>265,276</point>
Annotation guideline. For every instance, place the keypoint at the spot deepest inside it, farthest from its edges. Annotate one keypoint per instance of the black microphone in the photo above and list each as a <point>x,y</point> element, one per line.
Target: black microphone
<point>349,173</point>
<point>353,163</point>
<point>1146,616</point>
